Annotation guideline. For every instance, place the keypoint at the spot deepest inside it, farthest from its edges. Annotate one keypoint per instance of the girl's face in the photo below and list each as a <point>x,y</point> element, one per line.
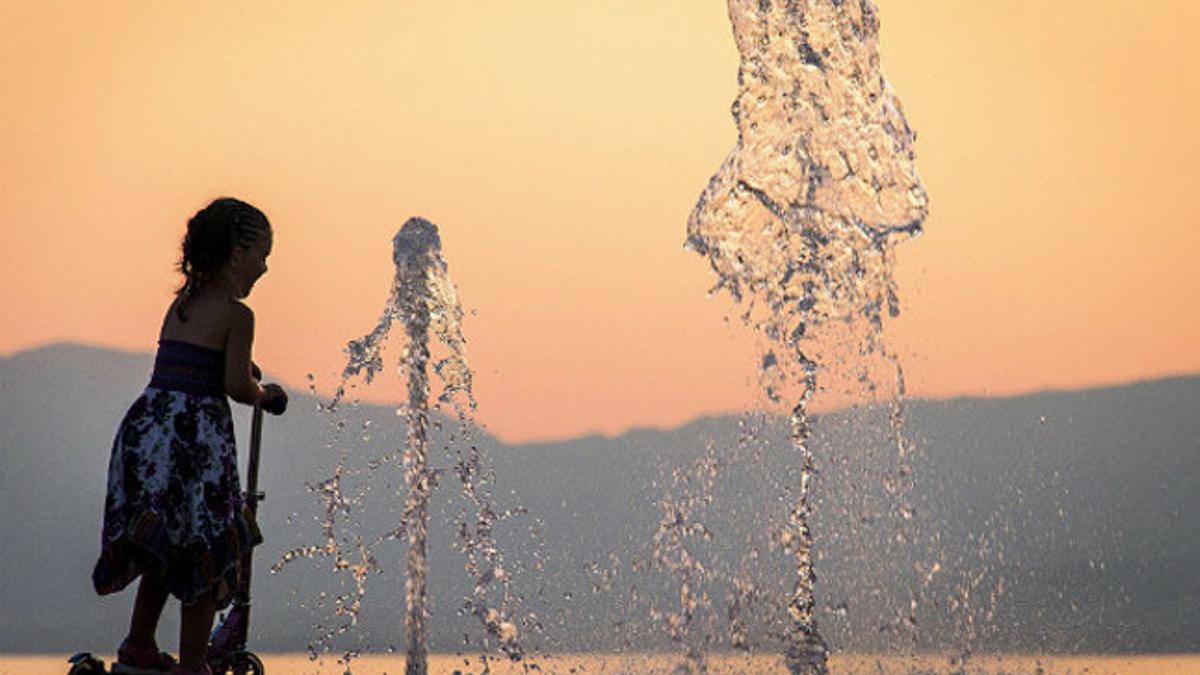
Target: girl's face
<point>248,264</point>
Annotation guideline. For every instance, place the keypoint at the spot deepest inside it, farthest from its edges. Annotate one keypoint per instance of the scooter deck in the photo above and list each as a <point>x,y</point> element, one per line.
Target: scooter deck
<point>126,669</point>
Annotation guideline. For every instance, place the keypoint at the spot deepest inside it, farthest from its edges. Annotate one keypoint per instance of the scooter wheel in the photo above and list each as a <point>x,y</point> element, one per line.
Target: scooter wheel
<point>244,663</point>
<point>86,664</point>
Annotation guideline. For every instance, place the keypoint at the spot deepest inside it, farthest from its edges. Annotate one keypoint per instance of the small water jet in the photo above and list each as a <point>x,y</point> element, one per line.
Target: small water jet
<point>801,220</point>
<point>424,301</point>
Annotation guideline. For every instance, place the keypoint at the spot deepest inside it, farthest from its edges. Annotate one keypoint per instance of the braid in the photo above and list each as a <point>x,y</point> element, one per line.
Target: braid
<point>212,235</point>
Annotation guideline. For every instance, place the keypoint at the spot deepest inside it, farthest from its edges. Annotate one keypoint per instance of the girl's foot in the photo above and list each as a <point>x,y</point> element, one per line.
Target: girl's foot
<point>135,660</point>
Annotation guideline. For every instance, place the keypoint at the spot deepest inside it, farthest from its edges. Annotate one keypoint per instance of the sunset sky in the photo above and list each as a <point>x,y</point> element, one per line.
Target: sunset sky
<point>560,147</point>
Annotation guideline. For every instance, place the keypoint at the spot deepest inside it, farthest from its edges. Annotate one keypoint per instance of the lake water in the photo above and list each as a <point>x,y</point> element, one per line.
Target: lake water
<point>439,664</point>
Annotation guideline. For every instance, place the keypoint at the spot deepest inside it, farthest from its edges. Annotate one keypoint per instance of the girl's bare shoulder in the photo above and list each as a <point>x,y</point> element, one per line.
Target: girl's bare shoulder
<point>206,320</point>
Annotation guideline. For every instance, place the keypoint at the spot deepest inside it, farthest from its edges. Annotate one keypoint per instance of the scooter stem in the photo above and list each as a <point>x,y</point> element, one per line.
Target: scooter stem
<point>232,632</point>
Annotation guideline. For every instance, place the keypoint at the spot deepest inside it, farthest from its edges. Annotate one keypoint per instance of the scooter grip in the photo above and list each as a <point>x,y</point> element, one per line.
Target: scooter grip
<point>276,405</point>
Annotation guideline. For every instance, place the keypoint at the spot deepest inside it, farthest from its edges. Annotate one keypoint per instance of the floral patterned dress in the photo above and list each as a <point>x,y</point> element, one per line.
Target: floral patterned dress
<point>174,506</point>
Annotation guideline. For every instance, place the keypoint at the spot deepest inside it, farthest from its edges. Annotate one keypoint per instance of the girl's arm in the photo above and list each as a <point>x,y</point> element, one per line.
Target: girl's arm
<point>239,379</point>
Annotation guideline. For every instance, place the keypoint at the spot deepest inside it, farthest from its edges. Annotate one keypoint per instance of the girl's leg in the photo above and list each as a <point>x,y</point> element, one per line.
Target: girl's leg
<point>147,608</point>
<point>196,625</point>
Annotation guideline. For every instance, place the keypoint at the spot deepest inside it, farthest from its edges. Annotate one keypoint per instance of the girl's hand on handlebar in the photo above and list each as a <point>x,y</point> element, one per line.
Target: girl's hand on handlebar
<point>274,399</point>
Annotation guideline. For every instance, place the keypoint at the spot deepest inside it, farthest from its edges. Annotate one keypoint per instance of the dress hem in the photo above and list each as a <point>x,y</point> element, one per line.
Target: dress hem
<point>144,548</point>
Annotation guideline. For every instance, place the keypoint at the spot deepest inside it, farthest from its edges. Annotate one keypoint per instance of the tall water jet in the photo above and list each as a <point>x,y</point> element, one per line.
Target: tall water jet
<point>800,221</point>
<point>416,249</point>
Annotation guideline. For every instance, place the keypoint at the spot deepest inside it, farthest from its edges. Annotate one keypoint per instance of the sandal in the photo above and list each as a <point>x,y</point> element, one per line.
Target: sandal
<point>134,660</point>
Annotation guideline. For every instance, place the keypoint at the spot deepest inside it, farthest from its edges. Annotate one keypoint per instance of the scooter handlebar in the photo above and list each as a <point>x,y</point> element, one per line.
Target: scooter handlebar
<point>277,404</point>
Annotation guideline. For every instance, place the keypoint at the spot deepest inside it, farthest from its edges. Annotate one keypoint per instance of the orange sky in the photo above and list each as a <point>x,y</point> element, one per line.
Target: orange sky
<point>560,148</point>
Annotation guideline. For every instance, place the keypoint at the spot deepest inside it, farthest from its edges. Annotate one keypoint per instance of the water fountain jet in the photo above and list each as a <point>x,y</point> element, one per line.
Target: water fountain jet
<point>424,301</point>
<point>800,221</point>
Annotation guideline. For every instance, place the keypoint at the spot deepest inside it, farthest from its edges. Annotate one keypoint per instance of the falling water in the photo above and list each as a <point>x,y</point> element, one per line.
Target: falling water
<point>692,490</point>
<point>424,301</point>
<point>800,221</point>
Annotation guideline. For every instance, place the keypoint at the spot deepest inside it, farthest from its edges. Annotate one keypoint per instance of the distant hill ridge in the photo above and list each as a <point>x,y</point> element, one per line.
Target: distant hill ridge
<point>134,366</point>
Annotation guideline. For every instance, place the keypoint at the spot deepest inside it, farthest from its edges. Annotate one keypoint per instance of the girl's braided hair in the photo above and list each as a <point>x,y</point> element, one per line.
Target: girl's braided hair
<point>211,237</point>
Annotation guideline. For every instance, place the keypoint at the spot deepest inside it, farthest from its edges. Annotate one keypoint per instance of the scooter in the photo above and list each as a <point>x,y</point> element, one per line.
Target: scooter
<point>227,653</point>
